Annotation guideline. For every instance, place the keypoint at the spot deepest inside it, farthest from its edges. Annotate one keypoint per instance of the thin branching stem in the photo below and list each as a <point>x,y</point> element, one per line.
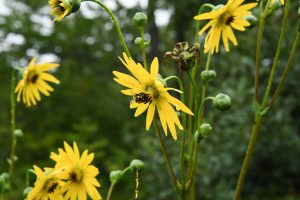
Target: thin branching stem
<point>116,24</point>
<point>286,69</point>
<point>165,153</point>
<point>110,190</point>
<point>258,114</point>
<point>13,124</point>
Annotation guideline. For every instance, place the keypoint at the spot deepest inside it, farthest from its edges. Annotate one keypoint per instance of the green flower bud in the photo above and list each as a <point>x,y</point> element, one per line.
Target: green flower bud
<point>275,5</point>
<point>140,20</point>
<point>252,20</point>
<point>115,176</point>
<point>136,164</point>
<point>222,102</point>
<point>18,133</point>
<point>75,5</point>
<point>205,129</point>
<point>198,137</point>
<point>139,42</point>
<point>208,75</point>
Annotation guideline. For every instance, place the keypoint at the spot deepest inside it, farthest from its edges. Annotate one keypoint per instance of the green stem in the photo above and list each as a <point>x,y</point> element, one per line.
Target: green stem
<point>182,144</point>
<point>258,50</point>
<point>248,156</point>
<point>258,116</point>
<point>192,171</point>
<point>110,190</point>
<point>203,92</point>
<point>13,124</point>
<point>195,88</point>
<point>286,69</point>
<point>165,153</point>
<point>143,49</point>
<point>278,51</point>
<point>116,24</point>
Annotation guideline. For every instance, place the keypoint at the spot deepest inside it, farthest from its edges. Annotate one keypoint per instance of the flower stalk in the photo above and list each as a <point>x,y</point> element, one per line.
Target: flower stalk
<point>165,154</point>
<point>13,124</point>
<point>259,114</point>
<point>116,24</point>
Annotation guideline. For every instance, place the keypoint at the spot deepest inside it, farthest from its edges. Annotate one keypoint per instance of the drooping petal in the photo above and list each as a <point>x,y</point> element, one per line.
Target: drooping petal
<point>150,115</point>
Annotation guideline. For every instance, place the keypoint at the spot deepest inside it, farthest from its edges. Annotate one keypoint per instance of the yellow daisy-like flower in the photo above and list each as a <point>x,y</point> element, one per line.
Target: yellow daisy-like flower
<point>60,8</point>
<point>222,20</point>
<point>79,174</point>
<point>149,93</point>
<point>47,186</point>
<point>33,82</point>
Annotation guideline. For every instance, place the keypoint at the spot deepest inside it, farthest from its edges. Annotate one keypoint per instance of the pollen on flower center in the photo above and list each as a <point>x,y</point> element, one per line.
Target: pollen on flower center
<point>51,185</point>
<point>153,91</point>
<point>76,175</point>
<point>32,77</point>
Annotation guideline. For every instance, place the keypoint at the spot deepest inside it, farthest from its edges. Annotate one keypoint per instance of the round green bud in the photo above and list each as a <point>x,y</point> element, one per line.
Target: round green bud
<point>198,137</point>
<point>75,5</point>
<point>252,20</point>
<point>136,164</point>
<point>208,75</point>
<point>140,19</point>
<point>275,5</point>
<point>205,129</point>
<point>115,176</point>
<point>222,102</point>
<point>18,133</point>
<point>139,42</point>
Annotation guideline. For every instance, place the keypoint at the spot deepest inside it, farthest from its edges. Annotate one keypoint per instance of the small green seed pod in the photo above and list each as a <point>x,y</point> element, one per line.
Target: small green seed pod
<point>205,129</point>
<point>208,75</point>
<point>115,176</point>
<point>136,164</point>
<point>75,5</point>
<point>275,5</point>
<point>139,42</point>
<point>222,102</point>
<point>140,20</point>
<point>252,20</point>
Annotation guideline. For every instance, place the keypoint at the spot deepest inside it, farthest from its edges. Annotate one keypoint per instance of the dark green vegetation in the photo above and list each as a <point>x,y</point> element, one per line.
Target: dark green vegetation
<point>87,106</point>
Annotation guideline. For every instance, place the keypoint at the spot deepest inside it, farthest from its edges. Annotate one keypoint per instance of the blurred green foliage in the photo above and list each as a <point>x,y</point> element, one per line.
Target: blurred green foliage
<point>87,106</point>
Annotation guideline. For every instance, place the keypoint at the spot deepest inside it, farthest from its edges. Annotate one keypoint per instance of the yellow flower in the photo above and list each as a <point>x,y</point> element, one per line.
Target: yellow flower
<point>222,20</point>
<point>33,82</point>
<point>60,8</point>
<point>79,174</point>
<point>149,93</point>
<point>47,186</point>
